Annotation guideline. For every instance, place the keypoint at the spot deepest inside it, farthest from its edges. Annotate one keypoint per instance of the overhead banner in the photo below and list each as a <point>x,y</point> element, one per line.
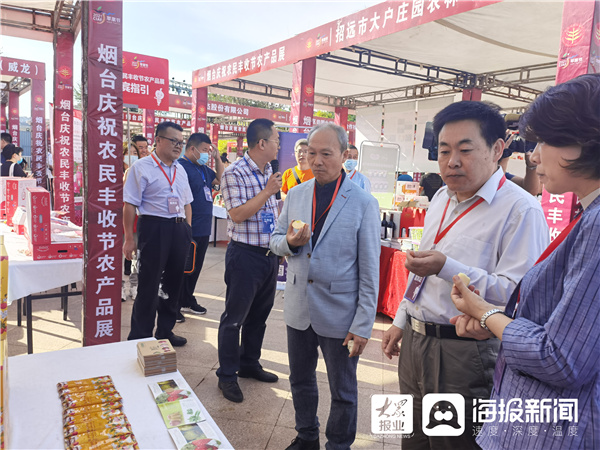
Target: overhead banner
<point>62,160</point>
<point>372,23</point>
<point>575,39</point>
<point>102,37</point>
<point>146,81</point>
<point>38,132</point>
<point>21,68</point>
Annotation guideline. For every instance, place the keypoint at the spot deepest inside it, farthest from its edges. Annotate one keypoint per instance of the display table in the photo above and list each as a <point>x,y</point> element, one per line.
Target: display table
<point>26,276</point>
<point>219,213</point>
<point>35,410</point>
<point>393,277</point>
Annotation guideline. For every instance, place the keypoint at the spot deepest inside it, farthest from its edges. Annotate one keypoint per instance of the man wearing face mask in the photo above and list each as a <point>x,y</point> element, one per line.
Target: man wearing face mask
<point>350,167</point>
<point>201,179</point>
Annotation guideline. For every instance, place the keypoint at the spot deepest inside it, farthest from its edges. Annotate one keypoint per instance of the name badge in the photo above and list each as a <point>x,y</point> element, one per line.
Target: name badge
<point>268,221</point>
<point>414,288</point>
<point>173,203</point>
<point>207,194</point>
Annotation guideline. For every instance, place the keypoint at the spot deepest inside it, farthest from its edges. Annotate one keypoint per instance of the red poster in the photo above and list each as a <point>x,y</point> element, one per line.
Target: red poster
<point>558,211</point>
<point>214,133</point>
<point>63,125</point>
<point>102,37</point>
<point>14,127</point>
<point>199,110</point>
<point>575,39</point>
<point>3,118</point>
<point>38,132</point>
<point>146,81</point>
<point>303,95</point>
<point>377,21</point>
<point>148,118</point>
<point>21,68</point>
<point>341,116</point>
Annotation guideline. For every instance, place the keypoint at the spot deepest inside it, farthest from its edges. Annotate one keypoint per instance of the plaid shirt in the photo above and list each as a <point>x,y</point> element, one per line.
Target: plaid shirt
<point>240,182</point>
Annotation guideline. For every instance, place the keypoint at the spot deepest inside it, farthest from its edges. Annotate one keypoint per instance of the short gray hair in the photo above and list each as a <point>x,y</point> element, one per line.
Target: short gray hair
<point>300,142</point>
<point>339,131</point>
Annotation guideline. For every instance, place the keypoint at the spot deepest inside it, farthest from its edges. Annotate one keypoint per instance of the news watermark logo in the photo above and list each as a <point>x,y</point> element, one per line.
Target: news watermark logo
<point>443,414</point>
<point>391,414</point>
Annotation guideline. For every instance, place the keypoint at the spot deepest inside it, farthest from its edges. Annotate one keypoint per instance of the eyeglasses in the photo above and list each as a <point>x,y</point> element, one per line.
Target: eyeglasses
<point>175,142</point>
<point>272,140</point>
<point>302,152</point>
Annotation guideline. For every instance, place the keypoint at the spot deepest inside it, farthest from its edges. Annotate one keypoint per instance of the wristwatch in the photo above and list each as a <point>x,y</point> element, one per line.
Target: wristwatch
<point>486,315</point>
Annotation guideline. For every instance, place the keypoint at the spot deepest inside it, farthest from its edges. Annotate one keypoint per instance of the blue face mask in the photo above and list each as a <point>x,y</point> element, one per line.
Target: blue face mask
<point>203,158</point>
<point>20,160</point>
<point>350,164</point>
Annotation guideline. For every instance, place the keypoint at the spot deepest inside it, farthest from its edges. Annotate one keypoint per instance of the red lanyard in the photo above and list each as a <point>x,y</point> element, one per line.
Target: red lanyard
<point>314,205</point>
<point>555,243</point>
<point>353,174</point>
<point>165,173</point>
<point>440,234</point>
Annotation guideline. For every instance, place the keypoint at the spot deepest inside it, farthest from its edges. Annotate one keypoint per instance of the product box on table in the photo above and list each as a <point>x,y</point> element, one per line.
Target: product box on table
<point>16,195</point>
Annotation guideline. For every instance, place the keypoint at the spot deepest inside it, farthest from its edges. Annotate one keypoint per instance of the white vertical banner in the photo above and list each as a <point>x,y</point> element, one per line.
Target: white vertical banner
<point>400,119</point>
<point>368,124</point>
<point>426,110</point>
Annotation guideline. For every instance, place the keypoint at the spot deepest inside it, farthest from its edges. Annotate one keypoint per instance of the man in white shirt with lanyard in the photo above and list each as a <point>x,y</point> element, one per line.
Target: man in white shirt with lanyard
<point>158,187</point>
<point>479,225</point>
<point>350,165</point>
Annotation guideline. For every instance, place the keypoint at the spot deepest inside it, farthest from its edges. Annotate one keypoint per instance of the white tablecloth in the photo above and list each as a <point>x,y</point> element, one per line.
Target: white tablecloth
<point>26,276</point>
<point>220,214</point>
<point>35,411</point>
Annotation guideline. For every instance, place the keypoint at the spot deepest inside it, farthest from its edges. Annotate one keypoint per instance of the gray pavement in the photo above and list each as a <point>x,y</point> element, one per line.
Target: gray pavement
<point>265,419</point>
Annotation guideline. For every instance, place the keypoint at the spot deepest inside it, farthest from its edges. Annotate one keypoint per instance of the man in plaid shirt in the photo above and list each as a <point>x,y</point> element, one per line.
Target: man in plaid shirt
<point>249,187</point>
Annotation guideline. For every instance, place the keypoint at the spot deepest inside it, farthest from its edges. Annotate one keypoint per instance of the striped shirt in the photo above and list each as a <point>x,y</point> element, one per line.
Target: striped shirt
<point>240,182</point>
<point>551,350</point>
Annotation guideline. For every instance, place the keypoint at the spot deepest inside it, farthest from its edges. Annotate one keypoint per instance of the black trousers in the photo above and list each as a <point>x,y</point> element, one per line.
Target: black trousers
<point>187,298</point>
<point>163,246</point>
<point>251,280</point>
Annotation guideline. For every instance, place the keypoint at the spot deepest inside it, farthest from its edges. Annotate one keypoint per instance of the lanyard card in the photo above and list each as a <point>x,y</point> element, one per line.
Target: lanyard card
<point>268,221</point>
<point>207,194</point>
<point>173,205</point>
<point>414,288</point>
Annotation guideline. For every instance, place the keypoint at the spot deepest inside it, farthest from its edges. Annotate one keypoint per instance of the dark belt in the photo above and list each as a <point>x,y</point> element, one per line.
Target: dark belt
<point>163,219</point>
<point>254,248</point>
<point>435,330</point>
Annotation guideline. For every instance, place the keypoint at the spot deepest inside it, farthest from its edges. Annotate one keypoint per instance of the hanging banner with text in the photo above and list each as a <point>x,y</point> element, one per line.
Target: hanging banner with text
<point>303,94</point>
<point>377,21</point>
<point>38,132</point>
<point>102,37</point>
<point>14,127</point>
<point>62,160</point>
<point>146,81</point>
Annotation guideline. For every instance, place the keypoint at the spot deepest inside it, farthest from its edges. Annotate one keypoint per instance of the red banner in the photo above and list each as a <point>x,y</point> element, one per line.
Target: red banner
<point>14,127</point>
<point>63,124</point>
<point>148,118</point>
<point>594,66</point>
<point>341,116</point>
<point>102,38</point>
<point>199,110</point>
<point>558,211</point>
<point>38,132</point>
<point>21,68</point>
<point>303,94</point>
<point>179,101</point>
<point>146,81</point>
<point>575,39</point>
<point>3,119</point>
<point>377,21</point>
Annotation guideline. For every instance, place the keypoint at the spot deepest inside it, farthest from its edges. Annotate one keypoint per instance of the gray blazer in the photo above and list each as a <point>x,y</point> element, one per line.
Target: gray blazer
<point>333,286</point>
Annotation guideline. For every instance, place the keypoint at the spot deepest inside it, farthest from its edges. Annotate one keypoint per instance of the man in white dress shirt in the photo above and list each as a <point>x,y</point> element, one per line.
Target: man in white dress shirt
<point>479,225</point>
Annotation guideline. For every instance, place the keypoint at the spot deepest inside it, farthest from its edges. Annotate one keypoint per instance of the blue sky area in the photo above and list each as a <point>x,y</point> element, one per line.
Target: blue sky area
<point>195,34</point>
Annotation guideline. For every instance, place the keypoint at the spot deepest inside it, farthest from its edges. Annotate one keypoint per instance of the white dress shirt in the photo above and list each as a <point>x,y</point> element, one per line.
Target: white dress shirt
<point>494,244</point>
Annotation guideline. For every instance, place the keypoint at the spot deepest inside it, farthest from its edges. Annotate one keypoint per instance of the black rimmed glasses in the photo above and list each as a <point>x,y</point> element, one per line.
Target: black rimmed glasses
<point>175,142</point>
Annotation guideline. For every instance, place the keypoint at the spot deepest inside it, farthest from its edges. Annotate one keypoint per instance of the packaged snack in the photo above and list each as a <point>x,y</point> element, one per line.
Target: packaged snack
<point>98,415</point>
<point>90,398</point>
<point>121,442</point>
<point>85,382</point>
<point>89,409</point>
<point>86,440</point>
<point>97,426</point>
<point>84,388</point>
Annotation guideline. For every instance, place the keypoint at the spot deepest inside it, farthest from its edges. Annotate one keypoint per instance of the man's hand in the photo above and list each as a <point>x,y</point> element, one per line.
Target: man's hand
<point>359,343</point>
<point>129,248</point>
<point>425,263</point>
<point>391,338</point>
<point>467,326</point>
<point>297,238</point>
<point>215,152</point>
<point>274,184</point>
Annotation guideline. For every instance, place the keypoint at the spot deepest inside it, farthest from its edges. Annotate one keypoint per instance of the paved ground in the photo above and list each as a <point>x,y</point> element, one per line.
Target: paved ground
<point>265,420</point>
